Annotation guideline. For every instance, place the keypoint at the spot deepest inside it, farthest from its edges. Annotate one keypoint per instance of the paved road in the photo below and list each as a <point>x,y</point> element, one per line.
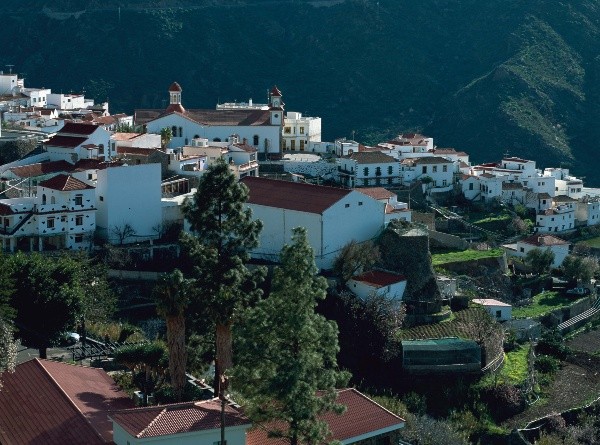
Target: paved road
<point>25,354</point>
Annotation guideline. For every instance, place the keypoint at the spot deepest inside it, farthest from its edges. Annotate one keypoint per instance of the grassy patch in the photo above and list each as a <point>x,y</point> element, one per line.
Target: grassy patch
<point>465,255</point>
<point>592,242</point>
<point>514,370</point>
<point>542,304</point>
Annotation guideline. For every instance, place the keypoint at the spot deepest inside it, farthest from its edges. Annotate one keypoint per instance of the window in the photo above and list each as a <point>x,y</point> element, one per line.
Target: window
<point>283,144</point>
<point>255,140</point>
<point>444,168</point>
<point>79,238</point>
<point>44,199</point>
<point>522,249</point>
<point>301,145</point>
<point>101,198</point>
<point>174,131</point>
<point>444,183</point>
<point>360,203</point>
<point>90,176</point>
<point>377,171</point>
<point>6,222</point>
<point>301,130</point>
<point>498,314</point>
<point>434,169</point>
<point>424,169</point>
<point>78,200</point>
<point>50,223</point>
<point>347,205</point>
<point>293,145</point>
<point>53,200</point>
<point>101,148</point>
<point>287,130</point>
<point>390,170</point>
<point>180,132</point>
<point>366,171</point>
<point>471,186</point>
<point>79,220</point>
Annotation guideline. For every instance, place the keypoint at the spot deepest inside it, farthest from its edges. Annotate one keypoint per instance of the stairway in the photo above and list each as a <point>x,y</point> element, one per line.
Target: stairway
<point>565,325</point>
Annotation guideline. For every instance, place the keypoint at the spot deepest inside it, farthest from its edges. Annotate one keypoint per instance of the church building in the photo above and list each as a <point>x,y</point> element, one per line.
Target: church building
<point>260,128</point>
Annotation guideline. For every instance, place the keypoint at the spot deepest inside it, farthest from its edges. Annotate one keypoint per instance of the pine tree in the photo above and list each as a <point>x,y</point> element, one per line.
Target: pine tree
<point>172,300</point>
<point>223,234</point>
<point>286,353</point>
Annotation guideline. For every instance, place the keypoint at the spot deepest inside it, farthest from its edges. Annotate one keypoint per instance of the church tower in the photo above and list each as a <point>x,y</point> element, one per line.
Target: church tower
<point>175,99</point>
<point>276,106</point>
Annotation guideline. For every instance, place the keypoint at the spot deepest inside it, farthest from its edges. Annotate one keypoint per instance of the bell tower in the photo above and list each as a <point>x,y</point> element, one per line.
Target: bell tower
<point>175,99</point>
<point>276,106</point>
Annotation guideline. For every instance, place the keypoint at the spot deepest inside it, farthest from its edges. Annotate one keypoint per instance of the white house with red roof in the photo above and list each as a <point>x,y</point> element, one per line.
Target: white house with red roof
<point>261,128</point>
<point>136,140</point>
<point>332,217</point>
<point>558,246</point>
<point>191,423</point>
<point>77,141</point>
<point>378,283</point>
<point>440,171</point>
<point>62,215</point>
<point>368,168</point>
<point>394,209</point>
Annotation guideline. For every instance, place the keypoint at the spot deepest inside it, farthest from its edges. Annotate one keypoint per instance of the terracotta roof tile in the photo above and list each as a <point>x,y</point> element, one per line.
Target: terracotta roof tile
<point>371,157</point>
<point>49,403</point>
<point>544,240</point>
<point>177,418</point>
<point>65,141</point>
<point>292,195</point>
<point>211,117</point>
<point>42,168</point>
<point>65,183</point>
<point>431,160</point>
<point>135,150</point>
<point>78,128</point>
<point>275,91</point>
<point>362,417</point>
<point>379,278</point>
<point>512,186</point>
<point>118,136</point>
<point>376,192</point>
<point>175,88</point>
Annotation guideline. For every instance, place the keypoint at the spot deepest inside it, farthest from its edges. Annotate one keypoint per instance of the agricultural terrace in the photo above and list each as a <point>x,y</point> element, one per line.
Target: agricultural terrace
<point>542,304</point>
<point>592,242</point>
<point>440,259</point>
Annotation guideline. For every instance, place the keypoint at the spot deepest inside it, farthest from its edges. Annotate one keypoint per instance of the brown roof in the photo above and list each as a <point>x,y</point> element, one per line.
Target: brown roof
<point>175,88</point>
<point>45,402</point>
<point>65,141</point>
<point>246,147</point>
<point>135,150</point>
<point>118,136</point>
<point>42,168</point>
<point>78,128</point>
<point>511,185</point>
<point>175,108</point>
<point>177,419</point>
<point>363,416</point>
<point>371,157</point>
<point>376,192</point>
<point>65,183</point>
<point>544,195</point>
<point>544,240</point>
<point>297,196</point>
<point>275,91</point>
<point>379,278</point>
<point>431,160</point>
<point>449,151</point>
<point>515,159</point>
<point>211,117</point>
<point>564,198</point>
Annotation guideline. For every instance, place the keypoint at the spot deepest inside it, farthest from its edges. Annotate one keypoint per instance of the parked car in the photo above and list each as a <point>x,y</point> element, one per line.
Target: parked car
<point>70,338</point>
<point>578,291</point>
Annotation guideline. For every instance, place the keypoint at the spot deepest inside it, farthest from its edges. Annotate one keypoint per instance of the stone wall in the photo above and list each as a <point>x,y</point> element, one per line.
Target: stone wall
<point>442,239</point>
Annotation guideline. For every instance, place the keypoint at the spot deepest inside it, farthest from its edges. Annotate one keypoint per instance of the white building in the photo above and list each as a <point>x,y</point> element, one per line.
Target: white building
<point>345,147</point>
<point>60,216</point>
<point>299,131</point>
<point>484,187</point>
<point>261,128</point>
<point>332,217</point>
<point>77,141</point>
<point>394,209</point>
<point>68,101</point>
<point>559,247</point>
<point>129,196</point>
<point>38,97</point>
<point>408,145</point>
<point>587,211</point>
<point>439,170</point>
<point>10,84</point>
<point>138,140</point>
<point>368,168</point>
<point>497,309</point>
<point>378,283</point>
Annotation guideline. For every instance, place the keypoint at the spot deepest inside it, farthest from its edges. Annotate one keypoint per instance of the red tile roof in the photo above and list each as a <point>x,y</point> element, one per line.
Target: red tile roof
<point>175,88</point>
<point>372,157</point>
<point>177,419</point>
<point>544,241</point>
<point>211,117</point>
<point>292,195</point>
<point>65,183</point>
<point>78,128</point>
<point>135,150</point>
<point>118,136</point>
<point>275,91</point>
<point>379,278</point>
<point>431,160</point>
<point>49,403</point>
<point>376,192</point>
<point>362,417</point>
<point>42,168</point>
<point>65,141</point>
<point>175,108</point>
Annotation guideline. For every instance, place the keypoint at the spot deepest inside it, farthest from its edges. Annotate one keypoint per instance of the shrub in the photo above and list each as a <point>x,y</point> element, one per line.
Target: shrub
<point>504,401</point>
<point>547,364</point>
<point>552,344</point>
<point>416,403</point>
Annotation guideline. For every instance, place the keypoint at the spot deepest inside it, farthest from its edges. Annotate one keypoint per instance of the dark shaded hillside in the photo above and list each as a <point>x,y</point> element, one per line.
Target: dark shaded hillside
<point>485,77</point>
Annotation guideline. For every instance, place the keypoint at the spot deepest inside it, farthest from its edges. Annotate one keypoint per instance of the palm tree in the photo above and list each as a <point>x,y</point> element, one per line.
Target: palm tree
<point>166,134</point>
<point>172,300</point>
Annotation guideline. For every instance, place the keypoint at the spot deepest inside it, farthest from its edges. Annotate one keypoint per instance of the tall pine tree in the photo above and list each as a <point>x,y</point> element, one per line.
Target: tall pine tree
<point>286,353</point>
<point>223,235</point>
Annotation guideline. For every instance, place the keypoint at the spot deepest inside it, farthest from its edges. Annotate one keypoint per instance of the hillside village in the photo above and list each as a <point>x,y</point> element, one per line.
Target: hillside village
<point>455,241</point>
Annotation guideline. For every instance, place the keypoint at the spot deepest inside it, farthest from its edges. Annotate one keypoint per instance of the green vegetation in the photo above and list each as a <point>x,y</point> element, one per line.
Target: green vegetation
<point>514,370</point>
<point>592,242</point>
<point>541,305</point>
<point>465,255</point>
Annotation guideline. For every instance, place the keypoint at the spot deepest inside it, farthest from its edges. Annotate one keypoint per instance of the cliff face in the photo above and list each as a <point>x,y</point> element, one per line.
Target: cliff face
<point>405,249</point>
<point>484,77</point>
